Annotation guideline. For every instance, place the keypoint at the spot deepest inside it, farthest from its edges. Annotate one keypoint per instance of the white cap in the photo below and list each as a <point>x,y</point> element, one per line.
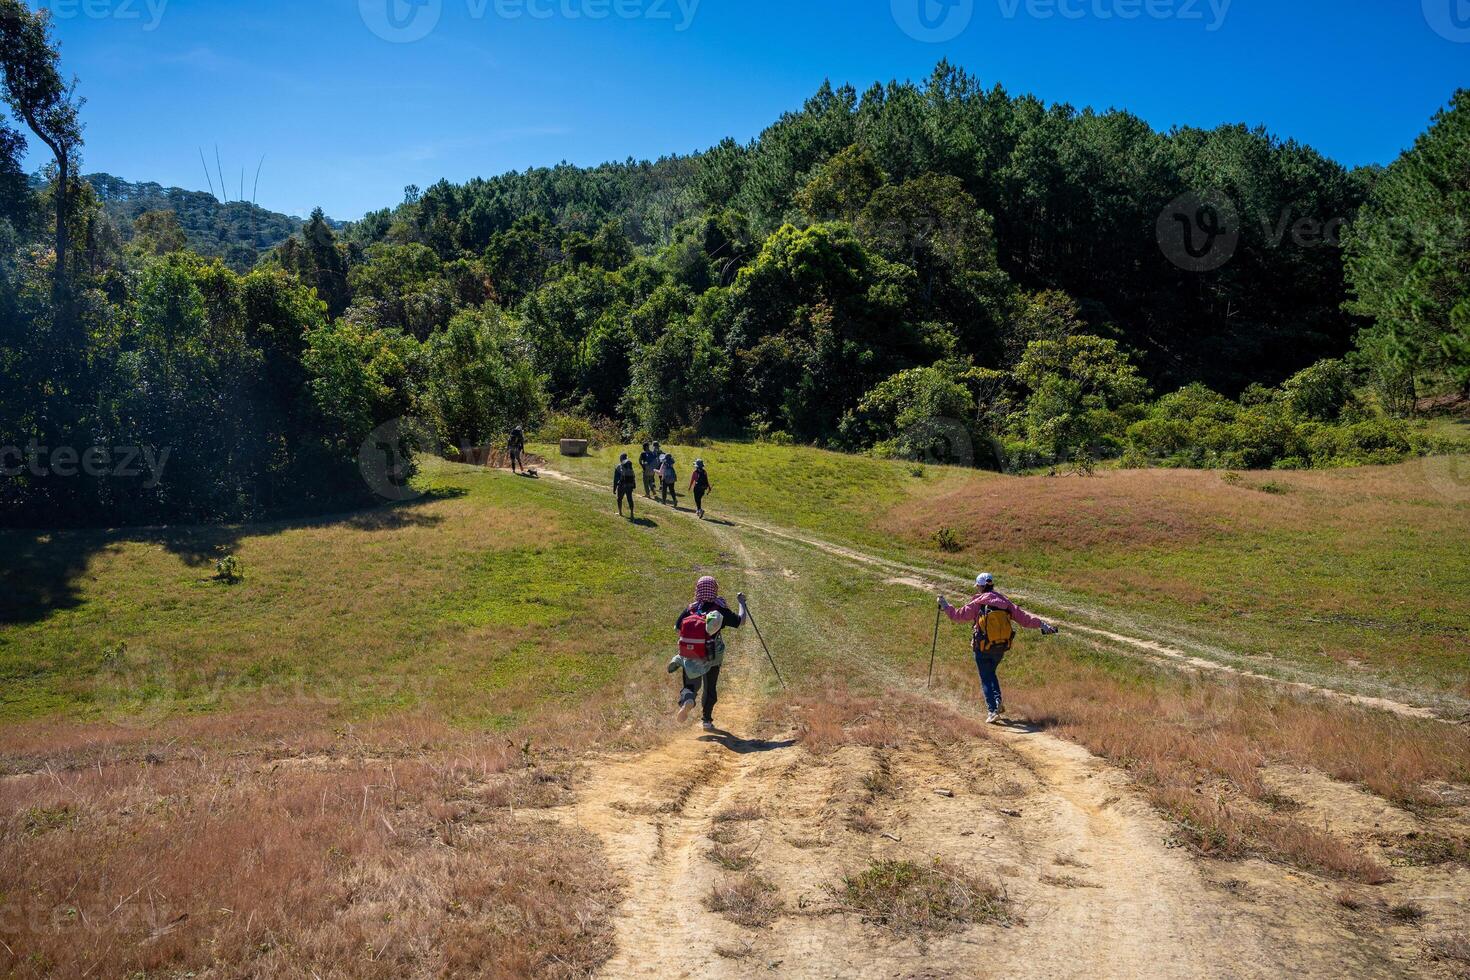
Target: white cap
<point>984,581</point>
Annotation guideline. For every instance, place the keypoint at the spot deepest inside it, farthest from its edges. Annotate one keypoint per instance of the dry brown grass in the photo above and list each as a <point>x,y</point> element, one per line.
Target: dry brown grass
<point>1201,752</point>
<point>837,717</point>
<point>731,857</point>
<point>749,900</point>
<point>384,850</point>
<point>739,813</point>
<point>923,898</point>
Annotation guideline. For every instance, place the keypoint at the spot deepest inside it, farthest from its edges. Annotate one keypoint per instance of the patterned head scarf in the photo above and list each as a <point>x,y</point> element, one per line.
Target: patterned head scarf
<point>706,590</point>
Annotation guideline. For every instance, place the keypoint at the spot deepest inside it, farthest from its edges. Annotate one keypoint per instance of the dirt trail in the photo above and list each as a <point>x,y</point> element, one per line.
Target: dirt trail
<point>930,580</point>
<point>1095,886</point>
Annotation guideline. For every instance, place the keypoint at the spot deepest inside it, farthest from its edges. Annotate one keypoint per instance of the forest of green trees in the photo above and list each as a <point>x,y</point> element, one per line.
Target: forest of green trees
<point>872,272</point>
<point>238,232</point>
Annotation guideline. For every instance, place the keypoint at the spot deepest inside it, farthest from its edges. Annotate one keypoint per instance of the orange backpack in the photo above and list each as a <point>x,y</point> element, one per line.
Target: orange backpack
<point>993,631</point>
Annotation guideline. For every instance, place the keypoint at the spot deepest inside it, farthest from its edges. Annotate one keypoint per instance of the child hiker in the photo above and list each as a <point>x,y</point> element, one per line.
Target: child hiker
<point>699,486</point>
<point>702,649</point>
<point>625,481</point>
<point>992,614</point>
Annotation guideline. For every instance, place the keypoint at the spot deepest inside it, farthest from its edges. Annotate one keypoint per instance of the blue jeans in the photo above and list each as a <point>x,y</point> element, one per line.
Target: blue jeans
<point>989,679</point>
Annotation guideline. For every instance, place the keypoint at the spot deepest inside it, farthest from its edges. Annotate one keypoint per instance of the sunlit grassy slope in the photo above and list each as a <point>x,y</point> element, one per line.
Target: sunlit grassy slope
<point>1356,574</point>
<point>484,599</point>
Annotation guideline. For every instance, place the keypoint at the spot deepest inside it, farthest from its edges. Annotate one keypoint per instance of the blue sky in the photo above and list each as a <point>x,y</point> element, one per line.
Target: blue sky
<point>347,118</point>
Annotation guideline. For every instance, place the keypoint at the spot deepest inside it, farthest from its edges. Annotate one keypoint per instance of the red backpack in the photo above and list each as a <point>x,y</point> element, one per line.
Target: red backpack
<point>693,636</point>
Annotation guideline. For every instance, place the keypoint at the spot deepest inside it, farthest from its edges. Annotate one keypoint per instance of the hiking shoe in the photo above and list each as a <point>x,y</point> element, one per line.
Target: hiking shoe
<point>1000,709</point>
<point>701,514</point>
<point>685,708</point>
<point>674,665</point>
<point>709,726</point>
<point>993,719</point>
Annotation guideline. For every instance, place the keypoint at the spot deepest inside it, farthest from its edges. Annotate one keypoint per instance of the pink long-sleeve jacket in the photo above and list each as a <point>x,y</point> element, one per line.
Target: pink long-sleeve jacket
<point>971,612</point>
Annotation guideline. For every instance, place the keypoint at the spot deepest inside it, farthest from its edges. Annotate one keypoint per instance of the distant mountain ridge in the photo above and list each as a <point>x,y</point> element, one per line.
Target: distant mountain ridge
<point>236,231</point>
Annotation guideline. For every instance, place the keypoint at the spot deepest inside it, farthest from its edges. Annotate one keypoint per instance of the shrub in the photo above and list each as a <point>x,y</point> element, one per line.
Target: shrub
<point>598,432</point>
<point>945,539</point>
<point>229,570</point>
<point>687,436</point>
<point>910,897</point>
<point>1320,391</point>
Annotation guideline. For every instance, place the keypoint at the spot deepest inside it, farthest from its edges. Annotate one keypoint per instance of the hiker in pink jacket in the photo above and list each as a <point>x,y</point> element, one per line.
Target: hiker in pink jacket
<point>993,615</point>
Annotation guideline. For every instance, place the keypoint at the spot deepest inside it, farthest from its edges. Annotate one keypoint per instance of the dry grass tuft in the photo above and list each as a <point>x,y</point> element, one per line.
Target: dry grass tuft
<point>861,821</point>
<point>1351,901</point>
<point>1408,913</point>
<point>749,900</point>
<point>908,897</point>
<point>725,833</point>
<point>731,857</point>
<point>1066,881</point>
<point>740,813</point>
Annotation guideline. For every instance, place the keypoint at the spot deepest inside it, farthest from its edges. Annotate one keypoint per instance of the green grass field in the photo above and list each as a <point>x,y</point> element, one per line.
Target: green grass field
<point>1353,577</point>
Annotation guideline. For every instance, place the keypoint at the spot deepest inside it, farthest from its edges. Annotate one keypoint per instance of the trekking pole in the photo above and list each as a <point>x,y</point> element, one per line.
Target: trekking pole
<point>764,647</point>
<point>934,648</point>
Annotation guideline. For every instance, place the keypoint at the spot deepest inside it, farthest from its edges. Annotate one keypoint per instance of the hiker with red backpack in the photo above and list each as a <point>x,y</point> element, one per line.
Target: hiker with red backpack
<point>993,615</point>
<point>702,648</point>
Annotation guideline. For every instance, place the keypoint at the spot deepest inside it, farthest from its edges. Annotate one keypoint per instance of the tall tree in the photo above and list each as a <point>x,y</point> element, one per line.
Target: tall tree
<point>1408,259</point>
<point>35,89</point>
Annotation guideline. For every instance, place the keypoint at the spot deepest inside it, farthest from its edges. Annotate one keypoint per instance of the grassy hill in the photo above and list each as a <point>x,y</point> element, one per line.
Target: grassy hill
<point>438,735</point>
<point>1354,576</point>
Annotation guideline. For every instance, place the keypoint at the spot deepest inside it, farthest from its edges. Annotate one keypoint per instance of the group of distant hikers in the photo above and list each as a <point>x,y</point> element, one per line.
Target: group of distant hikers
<point>701,624</point>
<point>658,468</point>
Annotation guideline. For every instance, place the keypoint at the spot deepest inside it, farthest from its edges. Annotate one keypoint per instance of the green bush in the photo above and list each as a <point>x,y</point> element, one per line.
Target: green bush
<point>1319,392</point>
<point>598,432</point>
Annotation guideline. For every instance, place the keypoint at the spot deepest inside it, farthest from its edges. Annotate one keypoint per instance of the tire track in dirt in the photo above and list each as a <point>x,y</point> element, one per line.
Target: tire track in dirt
<point>1087,863</point>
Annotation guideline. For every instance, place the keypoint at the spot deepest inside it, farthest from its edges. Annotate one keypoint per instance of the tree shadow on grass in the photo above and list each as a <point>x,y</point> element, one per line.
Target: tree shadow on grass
<point>40,570</point>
